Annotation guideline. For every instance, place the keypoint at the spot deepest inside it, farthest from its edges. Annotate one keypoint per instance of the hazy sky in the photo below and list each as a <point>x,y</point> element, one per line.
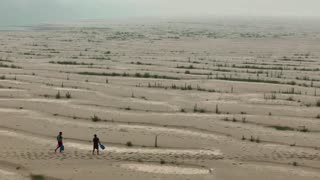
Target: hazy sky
<point>18,12</point>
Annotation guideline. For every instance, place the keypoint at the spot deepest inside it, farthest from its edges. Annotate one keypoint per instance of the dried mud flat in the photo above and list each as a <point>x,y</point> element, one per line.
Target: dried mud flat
<point>222,104</point>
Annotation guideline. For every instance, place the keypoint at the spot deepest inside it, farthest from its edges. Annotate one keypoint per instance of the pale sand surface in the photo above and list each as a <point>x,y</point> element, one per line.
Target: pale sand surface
<point>205,144</point>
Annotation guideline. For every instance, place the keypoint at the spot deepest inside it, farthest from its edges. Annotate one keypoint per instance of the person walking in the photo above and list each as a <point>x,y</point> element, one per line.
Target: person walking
<point>60,143</point>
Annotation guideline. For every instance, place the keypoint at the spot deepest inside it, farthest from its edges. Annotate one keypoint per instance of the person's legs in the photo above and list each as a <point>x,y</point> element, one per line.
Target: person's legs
<point>97,151</point>
<point>57,148</point>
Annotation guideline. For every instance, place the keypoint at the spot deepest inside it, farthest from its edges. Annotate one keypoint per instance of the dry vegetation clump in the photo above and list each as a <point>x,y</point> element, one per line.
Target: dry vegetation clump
<point>129,144</point>
<point>68,95</point>
<point>58,96</point>
<point>95,118</point>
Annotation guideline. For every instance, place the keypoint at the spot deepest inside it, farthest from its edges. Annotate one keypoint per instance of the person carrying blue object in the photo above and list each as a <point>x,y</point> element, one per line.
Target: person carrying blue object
<point>60,143</point>
<point>96,143</point>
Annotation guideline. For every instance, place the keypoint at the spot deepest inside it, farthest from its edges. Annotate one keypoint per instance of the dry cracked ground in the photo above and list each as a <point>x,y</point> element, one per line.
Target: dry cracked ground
<point>222,105</point>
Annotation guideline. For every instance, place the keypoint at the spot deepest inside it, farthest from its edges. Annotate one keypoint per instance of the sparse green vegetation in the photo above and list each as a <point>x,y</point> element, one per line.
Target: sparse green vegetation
<point>282,128</point>
<point>69,63</point>
<point>9,66</point>
<point>137,75</point>
<point>37,177</point>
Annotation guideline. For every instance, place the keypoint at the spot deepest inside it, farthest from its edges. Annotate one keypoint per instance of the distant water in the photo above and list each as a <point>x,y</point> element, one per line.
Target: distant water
<point>16,28</point>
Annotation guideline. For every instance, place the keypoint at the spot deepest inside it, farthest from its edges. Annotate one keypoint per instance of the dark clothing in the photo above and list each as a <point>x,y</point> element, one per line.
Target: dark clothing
<point>60,144</point>
<point>96,143</point>
<point>59,139</point>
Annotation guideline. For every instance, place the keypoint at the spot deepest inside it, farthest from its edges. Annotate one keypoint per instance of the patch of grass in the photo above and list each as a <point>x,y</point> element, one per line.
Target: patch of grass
<point>249,80</point>
<point>282,128</point>
<point>136,75</point>
<point>9,66</point>
<point>5,60</point>
<point>69,63</point>
<point>37,177</point>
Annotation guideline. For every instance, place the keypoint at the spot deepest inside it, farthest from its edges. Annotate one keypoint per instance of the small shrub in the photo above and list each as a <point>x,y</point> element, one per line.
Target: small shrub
<point>243,138</point>
<point>146,75</point>
<point>252,139</point>
<point>257,140</point>
<point>304,129</point>
<point>162,161</point>
<point>129,143</point>
<point>318,116</point>
<point>318,103</point>
<point>195,108</point>
<point>95,118</point>
<point>290,98</point>
<point>58,96</point>
<point>295,164</point>
<point>217,109</point>
<point>182,110</point>
<point>68,95</point>
<point>2,77</point>
<point>127,108</point>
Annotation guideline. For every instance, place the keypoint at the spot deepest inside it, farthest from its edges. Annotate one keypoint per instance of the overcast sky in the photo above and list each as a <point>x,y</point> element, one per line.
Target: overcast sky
<point>19,12</point>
